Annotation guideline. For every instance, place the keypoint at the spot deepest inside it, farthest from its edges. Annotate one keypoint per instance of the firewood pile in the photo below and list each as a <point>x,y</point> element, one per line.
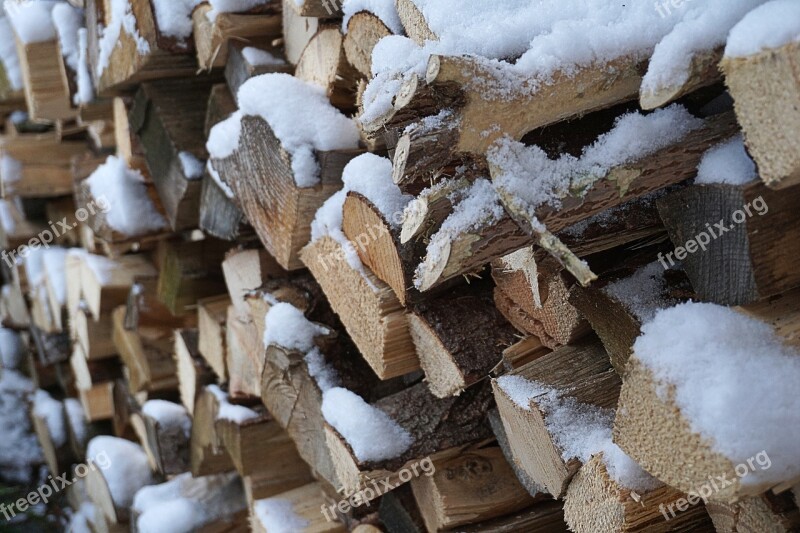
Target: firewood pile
<point>404,265</point>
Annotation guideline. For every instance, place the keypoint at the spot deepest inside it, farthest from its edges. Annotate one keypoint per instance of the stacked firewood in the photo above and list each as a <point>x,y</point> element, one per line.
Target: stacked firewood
<point>406,265</point>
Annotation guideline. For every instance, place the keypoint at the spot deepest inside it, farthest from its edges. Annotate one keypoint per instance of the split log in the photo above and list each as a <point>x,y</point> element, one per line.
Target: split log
<point>666,167</point>
<point>323,62</point>
<point>368,308</point>
<point>190,271</point>
<point>299,507</point>
<point>168,118</point>
<point>212,35</point>
<point>765,513</point>
<point>105,284</point>
<point>398,511</point>
<point>89,373</point>
<point>319,8</point>
<point>141,53</point>
<point>449,423</point>
<point>164,435</point>
<point>211,315</point>
<point>94,336</point>
<point>47,94</point>
<point>460,337</point>
<point>246,269</point>
<point>28,175</point>
<point>50,427</point>
<point>584,373</point>
<point>15,229</point>
<point>414,22</point>
<point>594,503</point>
<point>297,30</point>
<point>192,371</point>
<point>244,358</point>
<point>542,516</point>
<point>98,401</point>
<point>533,295</point>
<point>261,177</point>
<point>751,240</point>
<point>240,67</point>
<point>207,454</point>
<point>147,354</point>
<point>766,93</point>
<point>499,431</point>
<point>364,30</point>
<point>261,449</point>
<point>474,486</point>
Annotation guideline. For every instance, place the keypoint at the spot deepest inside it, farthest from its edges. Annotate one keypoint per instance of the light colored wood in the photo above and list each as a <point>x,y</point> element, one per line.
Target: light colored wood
<point>192,371</point>
<point>768,513</point>
<point>95,336</point>
<point>766,92</point>
<point>297,31</point>
<point>703,71</point>
<point>323,63</point>
<point>364,30</point>
<point>246,270</point>
<point>211,316</point>
<point>46,90</point>
<point>98,402</point>
<point>306,502</point>
<point>368,308</point>
<point>109,288</point>
<point>414,22</point>
<point>147,354</point>
<point>244,358</point>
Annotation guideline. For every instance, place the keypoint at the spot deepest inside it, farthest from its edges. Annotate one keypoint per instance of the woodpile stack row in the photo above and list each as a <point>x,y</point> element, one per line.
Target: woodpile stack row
<point>292,266</point>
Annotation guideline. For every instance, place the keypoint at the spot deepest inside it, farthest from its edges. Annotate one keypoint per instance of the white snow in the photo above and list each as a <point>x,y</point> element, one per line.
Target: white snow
<point>383,9</point>
<point>76,418</point>
<point>727,162</point>
<point>230,411</point>
<point>131,210</point>
<point>127,469</point>
<point>169,415</point>
<point>174,17</point>
<point>51,411</point>
<point>8,55</point>
<point>277,516</point>
<point>85,92</point>
<point>18,117</point>
<point>191,166</point>
<point>101,266</point>
<point>578,430</point>
<point>185,503</point>
<point>19,448</point>
<point>370,432</point>
<point>642,292</point>
<point>528,175</point>
<point>68,20</point>
<point>733,380</point>
<point>771,25</point>
<point>11,349</point>
<point>300,115</point>
<point>121,18</point>
<point>31,20</point>
<point>324,374</point>
<point>285,325</point>
<point>82,521</point>
<point>260,58</point>
<point>552,36</point>
<point>10,169</point>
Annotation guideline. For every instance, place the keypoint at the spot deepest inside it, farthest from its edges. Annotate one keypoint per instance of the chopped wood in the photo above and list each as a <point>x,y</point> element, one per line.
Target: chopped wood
<point>766,92</point>
<point>244,358</point>
<point>303,504</point>
<point>238,69</point>
<point>147,354</point>
<point>166,445</point>
<point>47,93</point>
<point>323,62</point>
<point>364,30</point>
<point>207,454</point>
<point>767,512</point>
<point>245,270</point>
<point>193,372</point>
<point>703,70</point>
<point>190,271</point>
<point>211,316</point>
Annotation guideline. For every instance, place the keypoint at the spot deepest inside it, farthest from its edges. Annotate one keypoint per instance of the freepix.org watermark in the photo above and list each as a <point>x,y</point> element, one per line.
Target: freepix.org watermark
<point>57,229</point>
<point>704,238</point>
<point>760,461</point>
<point>368,493</point>
<point>53,486</point>
<point>665,7</point>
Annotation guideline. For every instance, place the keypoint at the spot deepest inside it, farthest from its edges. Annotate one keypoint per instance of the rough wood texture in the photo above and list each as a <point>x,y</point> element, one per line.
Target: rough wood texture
<point>752,259</point>
<point>460,337</point>
<point>238,69</point>
<point>212,313</point>
<point>474,486</point>
<point>323,63</point>
<point>193,372</point>
<point>47,92</point>
<point>364,30</point>
<point>190,271</point>
<point>368,308</point>
<point>767,513</point>
<point>304,503</point>
<point>766,92</point>
<point>168,118</point>
<point>703,71</point>
<point>261,177</point>
<point>583,372</point>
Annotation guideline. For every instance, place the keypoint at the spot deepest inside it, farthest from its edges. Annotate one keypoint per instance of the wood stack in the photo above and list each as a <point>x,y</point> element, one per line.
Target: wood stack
<point>264,272</point>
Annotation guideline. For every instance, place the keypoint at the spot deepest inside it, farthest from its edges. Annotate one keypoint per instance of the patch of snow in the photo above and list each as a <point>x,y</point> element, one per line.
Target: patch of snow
<point>733,381</point>
<point>727,162</point>
<point>277,515</point>
<point>370,432</point>
<point>191,166</point>
<point>19,447</point>
<point>324,374</point>
<point>124,466</point>
<point>260,58</point>
<point>51,411</point>
<point>68,20</point>
<point>11,349</point>
<point>642,292</point>
<point>85,92</point>
<point>300,115</point>
<point>285,325</point>
<point>10,169</point>
<point>771,25</point>
<point>229,411</point>
<point>578,430</point>
<point>54,263</point>
<point>218,180</point>
<point>8,55</point>
<point>32,20</point>
<point>131,210</point>
<point>383,9</point>
<point>174,17</point>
